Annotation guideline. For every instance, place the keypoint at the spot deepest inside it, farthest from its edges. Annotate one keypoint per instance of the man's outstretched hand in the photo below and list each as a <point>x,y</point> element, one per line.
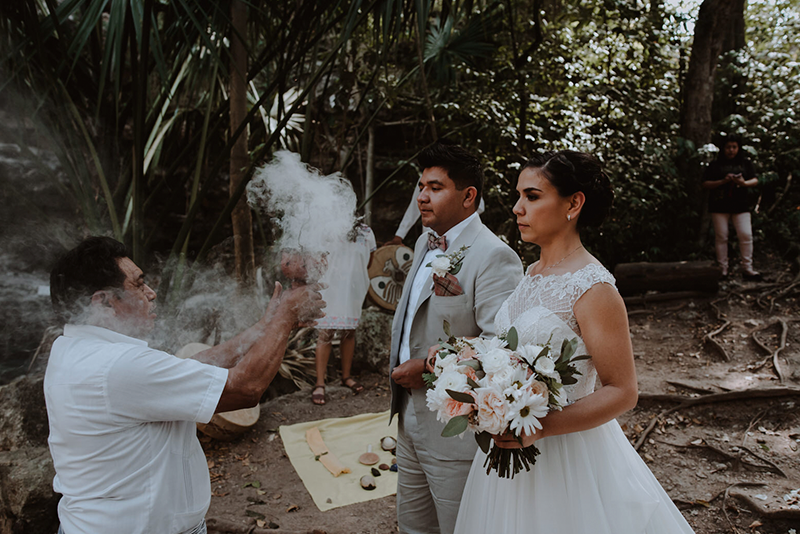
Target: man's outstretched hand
<point>301,305</point>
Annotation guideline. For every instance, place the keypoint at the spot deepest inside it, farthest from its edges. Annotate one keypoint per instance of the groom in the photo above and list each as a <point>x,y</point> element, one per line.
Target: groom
<point>433,469</point>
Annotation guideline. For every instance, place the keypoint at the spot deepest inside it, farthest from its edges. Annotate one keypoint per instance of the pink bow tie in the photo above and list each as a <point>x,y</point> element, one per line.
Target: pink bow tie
<point>436,242</point>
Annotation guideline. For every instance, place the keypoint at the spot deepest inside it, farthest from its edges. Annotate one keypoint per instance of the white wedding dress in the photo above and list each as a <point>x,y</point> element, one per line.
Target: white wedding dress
<point>585,482</point>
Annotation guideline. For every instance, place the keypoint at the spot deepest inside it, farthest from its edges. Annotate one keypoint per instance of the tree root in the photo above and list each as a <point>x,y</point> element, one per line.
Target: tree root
<point>736,459</point>
<point>709,338</point>
<point>783,514</point>
<point>223,526</point>
<point>776,363</point>
<point>686,402</point>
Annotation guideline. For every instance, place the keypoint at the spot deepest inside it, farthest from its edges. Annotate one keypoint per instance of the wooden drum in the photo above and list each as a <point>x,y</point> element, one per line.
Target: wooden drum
<point>387,274</point>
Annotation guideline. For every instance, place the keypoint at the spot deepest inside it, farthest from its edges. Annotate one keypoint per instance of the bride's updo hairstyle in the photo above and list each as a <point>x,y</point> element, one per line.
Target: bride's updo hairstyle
<point>570,172</point>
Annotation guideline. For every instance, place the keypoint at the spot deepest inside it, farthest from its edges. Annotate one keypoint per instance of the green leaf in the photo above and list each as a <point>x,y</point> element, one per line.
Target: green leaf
<point>429,379</point>
<point>568,349</point>
<point>448,346</point>
<point>475,364</point>
<point>446,327</point>
<point>472,383</point>
<point>512,338</point>
<point>484,440</point>
<point>579,358</point>
<point>455,426</point>
<point>466,398</point>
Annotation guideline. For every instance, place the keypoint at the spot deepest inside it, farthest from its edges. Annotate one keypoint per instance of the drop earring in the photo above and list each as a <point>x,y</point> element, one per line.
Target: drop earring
<point>569,217</point>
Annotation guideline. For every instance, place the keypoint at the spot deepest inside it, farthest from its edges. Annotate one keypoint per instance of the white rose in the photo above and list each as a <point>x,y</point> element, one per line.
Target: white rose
<point>453,380</point>
<point>495,360</point>
<point>440,265</point>
<point>529,352</point>
<point>446,364</point>
<point>545,366</point>
<point>483,346</point>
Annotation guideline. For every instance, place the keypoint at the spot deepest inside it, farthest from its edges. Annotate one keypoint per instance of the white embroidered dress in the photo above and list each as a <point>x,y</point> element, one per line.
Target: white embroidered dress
<point>584,482</point>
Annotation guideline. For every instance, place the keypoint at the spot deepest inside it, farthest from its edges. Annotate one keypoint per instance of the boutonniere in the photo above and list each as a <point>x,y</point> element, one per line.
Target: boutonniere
<point>451,263</point>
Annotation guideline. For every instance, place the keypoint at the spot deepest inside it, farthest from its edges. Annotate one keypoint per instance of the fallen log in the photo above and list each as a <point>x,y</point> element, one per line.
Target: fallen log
<point>636,278</point>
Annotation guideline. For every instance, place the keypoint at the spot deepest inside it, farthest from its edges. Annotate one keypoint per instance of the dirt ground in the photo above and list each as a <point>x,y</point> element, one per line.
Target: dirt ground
<point>730,461</point>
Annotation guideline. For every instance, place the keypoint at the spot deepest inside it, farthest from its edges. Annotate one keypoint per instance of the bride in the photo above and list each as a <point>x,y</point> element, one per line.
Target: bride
<point>588,478</point>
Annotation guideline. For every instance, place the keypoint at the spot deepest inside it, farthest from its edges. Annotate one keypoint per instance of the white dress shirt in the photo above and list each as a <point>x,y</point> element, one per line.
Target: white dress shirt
<point>424,279</point>
<point>122,433</point>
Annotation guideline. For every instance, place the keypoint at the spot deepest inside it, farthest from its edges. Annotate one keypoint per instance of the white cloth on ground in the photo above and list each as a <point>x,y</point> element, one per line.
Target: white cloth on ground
<point>122,433</point>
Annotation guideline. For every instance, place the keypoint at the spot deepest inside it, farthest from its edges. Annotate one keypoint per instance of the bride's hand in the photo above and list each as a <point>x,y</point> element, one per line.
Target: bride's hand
<point>429,361</point>
<point>508,441</point>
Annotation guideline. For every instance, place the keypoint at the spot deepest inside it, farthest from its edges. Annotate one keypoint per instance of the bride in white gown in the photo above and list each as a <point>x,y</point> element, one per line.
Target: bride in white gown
<point>588,478</point>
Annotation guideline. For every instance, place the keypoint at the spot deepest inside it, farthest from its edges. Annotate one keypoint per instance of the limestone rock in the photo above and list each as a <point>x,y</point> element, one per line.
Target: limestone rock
<point>27,500</point>
<point>373,340</point>
<point>23,415</point>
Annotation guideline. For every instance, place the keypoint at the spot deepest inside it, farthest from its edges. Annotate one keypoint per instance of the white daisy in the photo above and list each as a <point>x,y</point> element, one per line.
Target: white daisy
<point>526,411</point>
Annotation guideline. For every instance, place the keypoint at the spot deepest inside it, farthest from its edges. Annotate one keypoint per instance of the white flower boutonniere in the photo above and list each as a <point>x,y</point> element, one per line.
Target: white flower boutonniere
<point>448,263</point>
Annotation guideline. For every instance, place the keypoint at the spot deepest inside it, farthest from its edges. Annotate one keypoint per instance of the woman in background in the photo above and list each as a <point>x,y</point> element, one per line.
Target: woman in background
<point>348,282</point>
<point>727,180</point>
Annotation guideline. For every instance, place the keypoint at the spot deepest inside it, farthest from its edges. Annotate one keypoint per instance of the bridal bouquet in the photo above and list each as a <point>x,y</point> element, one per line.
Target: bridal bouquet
<point>494,386</point>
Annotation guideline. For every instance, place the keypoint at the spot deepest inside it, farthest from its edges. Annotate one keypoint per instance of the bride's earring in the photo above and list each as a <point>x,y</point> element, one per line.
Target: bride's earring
<point>569,217</point>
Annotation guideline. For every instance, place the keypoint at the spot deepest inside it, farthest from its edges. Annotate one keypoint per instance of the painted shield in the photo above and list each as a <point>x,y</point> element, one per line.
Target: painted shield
<point>387,274</point>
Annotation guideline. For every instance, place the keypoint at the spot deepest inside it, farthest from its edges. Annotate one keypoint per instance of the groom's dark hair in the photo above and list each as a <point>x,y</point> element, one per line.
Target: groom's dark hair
<point>463,167</point>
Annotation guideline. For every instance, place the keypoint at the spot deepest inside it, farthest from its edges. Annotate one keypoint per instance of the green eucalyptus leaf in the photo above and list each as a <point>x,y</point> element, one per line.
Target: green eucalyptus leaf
<point>472,383</point>
<point>484,440</point>
<point>446,327</point>
<point>455,426</point>
<point>475,364</point>
<point>466,398</point>
<point>512,338</point>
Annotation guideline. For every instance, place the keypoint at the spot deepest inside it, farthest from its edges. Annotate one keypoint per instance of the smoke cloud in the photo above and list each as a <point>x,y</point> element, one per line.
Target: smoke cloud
<point>313,211</point>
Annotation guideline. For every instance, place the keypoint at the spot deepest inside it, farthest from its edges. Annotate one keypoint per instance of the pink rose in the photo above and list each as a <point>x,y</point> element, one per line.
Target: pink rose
<point>469,371</point>
<point>468,353</point>
<point>453,408</point>
<point>491,410</point>
<point>539,388</point>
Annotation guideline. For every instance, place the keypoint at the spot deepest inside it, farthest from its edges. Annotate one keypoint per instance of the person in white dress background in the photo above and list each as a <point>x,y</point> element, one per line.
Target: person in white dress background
<point>347,279</point>
<point>588,478</point>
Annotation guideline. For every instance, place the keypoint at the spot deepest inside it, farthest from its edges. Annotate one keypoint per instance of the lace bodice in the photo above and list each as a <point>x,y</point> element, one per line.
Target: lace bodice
<point>541,306</point>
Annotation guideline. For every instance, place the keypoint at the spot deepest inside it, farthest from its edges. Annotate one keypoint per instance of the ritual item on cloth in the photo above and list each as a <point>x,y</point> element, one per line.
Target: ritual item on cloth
<point>347,438</point>
<point>317,446</point>
<point>387,273</point>
<point>223,426</point>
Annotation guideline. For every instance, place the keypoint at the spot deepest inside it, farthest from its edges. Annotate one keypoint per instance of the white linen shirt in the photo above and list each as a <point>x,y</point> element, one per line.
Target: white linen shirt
<point>422,279</point>
<point>122,433</point>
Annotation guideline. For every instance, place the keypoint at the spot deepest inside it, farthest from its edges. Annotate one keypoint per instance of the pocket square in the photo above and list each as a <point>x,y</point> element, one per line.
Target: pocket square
<point>446,286</point>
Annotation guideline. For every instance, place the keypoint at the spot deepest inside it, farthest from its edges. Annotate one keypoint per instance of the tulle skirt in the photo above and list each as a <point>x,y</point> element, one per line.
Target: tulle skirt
<point>586,482</point>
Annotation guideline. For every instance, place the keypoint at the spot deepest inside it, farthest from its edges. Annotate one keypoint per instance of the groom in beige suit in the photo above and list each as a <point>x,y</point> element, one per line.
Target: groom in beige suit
<point>433,469</point>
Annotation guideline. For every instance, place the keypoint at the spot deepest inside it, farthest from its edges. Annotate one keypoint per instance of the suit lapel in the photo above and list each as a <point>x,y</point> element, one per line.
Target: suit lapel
<point>466,237</point>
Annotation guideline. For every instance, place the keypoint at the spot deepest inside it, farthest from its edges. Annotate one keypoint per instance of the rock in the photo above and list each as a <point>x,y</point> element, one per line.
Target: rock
<point>373,340</point>
<point>23,415</point>
<point>27,500</point>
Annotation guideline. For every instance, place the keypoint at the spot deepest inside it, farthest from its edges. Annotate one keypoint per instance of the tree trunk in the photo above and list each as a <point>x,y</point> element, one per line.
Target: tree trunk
<point>241,217</point>
<point>633,278</point>
<point>370,181</point>
<point>712,28</point>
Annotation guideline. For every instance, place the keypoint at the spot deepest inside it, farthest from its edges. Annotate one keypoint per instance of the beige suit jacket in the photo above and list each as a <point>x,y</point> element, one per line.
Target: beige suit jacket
<point>489,273</point>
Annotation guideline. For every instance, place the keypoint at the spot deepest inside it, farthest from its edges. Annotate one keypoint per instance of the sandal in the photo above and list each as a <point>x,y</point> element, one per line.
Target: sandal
<point>353,384</point>
<point>318,398</point>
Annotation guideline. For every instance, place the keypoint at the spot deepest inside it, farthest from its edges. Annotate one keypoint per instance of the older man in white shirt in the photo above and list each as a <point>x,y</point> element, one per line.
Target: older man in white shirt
<point>122,415</point>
